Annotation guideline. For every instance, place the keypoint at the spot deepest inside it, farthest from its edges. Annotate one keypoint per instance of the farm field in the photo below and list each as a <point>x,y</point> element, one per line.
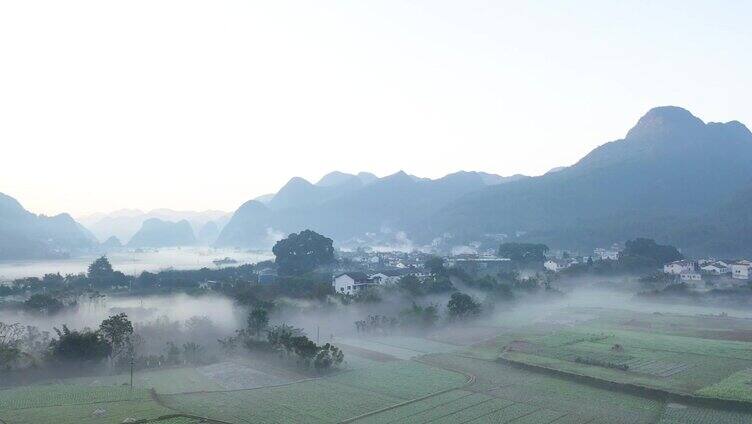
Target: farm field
<point>219,376</point>
<point>441,382</point>
<point>66,404</point>
<point>602,348</point>
<point>332,399</point>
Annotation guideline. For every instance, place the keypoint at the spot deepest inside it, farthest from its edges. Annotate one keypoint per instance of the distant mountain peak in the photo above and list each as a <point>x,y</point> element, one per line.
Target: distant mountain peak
<point>157,232</point>
<point>253,205</point>
<point>297,181</point>
<point>665,122</point>
<point>399,176</point>
<point>367,177</point>
<point>334,178</point>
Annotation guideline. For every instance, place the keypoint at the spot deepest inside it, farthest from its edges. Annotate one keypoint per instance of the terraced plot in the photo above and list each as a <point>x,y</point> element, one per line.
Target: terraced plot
<point>674,363</point>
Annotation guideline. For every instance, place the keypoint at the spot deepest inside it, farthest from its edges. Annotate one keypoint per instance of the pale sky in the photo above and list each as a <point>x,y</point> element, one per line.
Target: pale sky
<point>204,105</point>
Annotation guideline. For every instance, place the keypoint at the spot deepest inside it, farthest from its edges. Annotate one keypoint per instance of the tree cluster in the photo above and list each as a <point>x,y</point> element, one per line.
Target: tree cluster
<point>288,342</point>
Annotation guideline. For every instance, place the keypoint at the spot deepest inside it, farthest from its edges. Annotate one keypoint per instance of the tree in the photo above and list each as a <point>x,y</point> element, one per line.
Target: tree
<point>421,317</point>
<point>523,252</point>
<point>304,348</point>
<point>100,269</point>
<point>303,252</point>
<point>193,353</point>
<point>438,284</point>
<point>280,335</point>
<point>647,251</point>
<point>327,357</point>
<point>84,346</point>
<point>117,330</point>
<point>43,304</point>
<point>462,306</point>
<point>258,321</point>
<point>53,280</point>
<point>410,284</point>
<point>10,340</point>
<point>435,265</point>
<point>173,353</point>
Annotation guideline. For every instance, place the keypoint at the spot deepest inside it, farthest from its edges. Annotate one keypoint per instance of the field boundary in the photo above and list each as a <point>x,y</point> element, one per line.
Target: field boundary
<point>397,405</point>
<point>470,380</point>
<point>635,389</point>
<point>181,415</point>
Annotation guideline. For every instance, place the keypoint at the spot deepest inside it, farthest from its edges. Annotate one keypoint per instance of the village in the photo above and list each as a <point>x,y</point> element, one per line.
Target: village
<point>364,268</point>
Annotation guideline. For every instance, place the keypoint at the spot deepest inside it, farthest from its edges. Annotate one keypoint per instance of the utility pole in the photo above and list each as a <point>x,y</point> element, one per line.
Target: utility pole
<point>317,334</point>
<point>130,342</point>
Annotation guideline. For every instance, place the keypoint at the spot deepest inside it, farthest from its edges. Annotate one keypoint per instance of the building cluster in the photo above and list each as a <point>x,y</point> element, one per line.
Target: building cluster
<point>374,260</point>
<point>721,270</point>
<point>556,264</point>
<point>486,262</point>
<point>352,282</point>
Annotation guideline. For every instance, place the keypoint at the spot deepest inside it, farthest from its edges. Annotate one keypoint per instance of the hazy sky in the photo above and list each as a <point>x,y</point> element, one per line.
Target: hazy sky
<point>198,105</point>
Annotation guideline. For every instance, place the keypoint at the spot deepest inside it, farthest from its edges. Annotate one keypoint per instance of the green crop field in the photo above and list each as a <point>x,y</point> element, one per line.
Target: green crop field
<point>683,414</point>
<point>551,392</point>
<point>736,386</point>
<point>675,363</point>
<point>342,396</point>
<point>60,394</point>
<point>172,380</point>
<point>64,404</point>
<point>444,383</point>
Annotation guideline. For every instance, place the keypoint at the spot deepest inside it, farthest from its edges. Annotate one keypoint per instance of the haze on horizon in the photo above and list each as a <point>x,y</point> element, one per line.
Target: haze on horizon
<point>180,105</point>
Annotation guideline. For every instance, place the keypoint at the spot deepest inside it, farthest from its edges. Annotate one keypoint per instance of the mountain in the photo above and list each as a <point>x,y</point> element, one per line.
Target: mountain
<point>208,234</point>
<point>299,193</point>
<point>669,171</point>
<point>672,177</point>
<point>265,198</point>
<point>367,177</point>
<point>24,235</point>
<point>336,178</point>
<point>111,243</point>
<point>348,206</point>
<point>124,223</point>
<point>158,233</point>
<point>556,169</point>
<point>248,226</point>
<point>725,231</point>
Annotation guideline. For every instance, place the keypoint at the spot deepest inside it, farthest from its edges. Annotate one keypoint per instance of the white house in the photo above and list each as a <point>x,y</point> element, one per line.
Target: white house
<point>741,269</point>
<point>351,282</point>
<point>690,276</point>
<point>557,265</point>
<point>679,267</point>
<point>603,254</point>
<point>385,277</point>
<point>716,268</point>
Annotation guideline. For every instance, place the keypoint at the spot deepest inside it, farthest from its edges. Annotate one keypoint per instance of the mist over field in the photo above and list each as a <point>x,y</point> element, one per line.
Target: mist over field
<point>377,212</point>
